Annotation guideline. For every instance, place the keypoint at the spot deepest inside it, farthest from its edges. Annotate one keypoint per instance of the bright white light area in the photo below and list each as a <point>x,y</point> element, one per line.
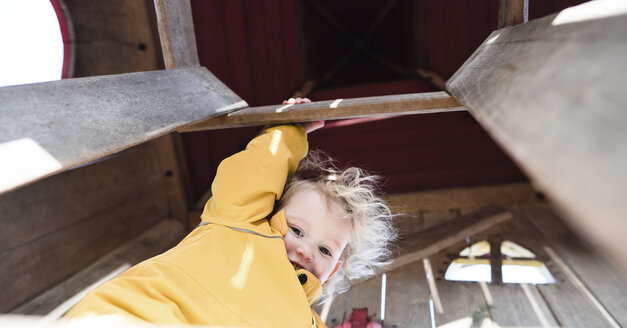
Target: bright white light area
<point>31,42</point>
<point>478,249</point>
<point>469,270</point>
<point>526,272</point>
<point>24,160</point>
<point>591,10</point>
<point>510,249</point>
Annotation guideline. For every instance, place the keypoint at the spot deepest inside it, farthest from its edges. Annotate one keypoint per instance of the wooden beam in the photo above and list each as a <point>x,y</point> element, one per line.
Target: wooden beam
<point>53,126</point>
<point>552,93</point>
<point>417,103</point>
<point>178,45</point>
<point>513,12</point>
<point>176,31</point>
<point>433,240</point>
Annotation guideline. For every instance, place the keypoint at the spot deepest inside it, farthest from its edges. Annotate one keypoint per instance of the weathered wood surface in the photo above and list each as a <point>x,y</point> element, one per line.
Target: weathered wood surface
<point>607,282</point>
<point>57,226</point>
<point>50,127</point>
<point>418,103</point>
<point>157,239</point>
<point>415,247</point>
<point>113,37</point>
<point>407,301</point>
<point>513,12</point>
<point>512,307</point>
<point>552,93</point>
<point>462,302</point>
<point>176,31</point>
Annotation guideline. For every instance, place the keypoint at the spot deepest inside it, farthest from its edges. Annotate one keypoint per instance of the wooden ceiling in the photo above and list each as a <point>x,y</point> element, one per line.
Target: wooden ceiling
<point>267,50</point>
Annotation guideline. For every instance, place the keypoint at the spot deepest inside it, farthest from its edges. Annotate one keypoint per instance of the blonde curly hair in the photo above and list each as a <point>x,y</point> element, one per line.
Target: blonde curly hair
<point>356,191</point>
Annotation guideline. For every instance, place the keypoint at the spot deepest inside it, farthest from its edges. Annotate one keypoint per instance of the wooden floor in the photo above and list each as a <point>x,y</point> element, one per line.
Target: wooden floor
<point>468,304</point>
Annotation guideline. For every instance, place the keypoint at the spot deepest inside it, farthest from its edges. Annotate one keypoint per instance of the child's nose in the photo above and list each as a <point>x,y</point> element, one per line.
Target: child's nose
<point>304,252</point>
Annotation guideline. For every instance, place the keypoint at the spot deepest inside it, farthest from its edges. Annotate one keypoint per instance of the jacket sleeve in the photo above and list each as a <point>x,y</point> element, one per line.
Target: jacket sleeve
<point>248,183</point>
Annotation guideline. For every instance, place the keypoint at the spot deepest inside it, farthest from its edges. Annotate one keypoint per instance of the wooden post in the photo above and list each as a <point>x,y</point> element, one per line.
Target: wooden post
<point>513,12</point>
<point>176,31</point>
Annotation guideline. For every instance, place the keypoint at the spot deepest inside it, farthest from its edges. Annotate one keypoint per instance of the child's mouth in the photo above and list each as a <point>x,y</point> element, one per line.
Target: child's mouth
<point>296,266</point>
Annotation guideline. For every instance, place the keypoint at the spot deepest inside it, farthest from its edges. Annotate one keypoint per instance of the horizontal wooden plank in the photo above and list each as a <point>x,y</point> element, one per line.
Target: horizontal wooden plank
<point>587,264</point>
<point>52,126</point>
<point>176,31</point>
<point>552,93</point>
<point>157,239</point>
<point>417,103</point>
<point>426,243</point>
<point>36,266</point>
<point>64,199</point>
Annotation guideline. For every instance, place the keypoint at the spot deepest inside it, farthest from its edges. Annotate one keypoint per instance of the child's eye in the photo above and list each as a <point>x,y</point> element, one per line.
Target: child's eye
<point>325,251</point>
<point>297,231</point>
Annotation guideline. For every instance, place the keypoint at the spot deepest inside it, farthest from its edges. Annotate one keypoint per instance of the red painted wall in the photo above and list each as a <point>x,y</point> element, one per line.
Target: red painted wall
<point>254,47</point>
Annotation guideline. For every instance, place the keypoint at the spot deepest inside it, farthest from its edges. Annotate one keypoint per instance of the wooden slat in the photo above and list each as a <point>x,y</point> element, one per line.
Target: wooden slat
<point>50,127</point>
<point>512,307</point>
<point>36,266</point>
<point>567,303</point>
<point>463,302</point>
<point>156,239</point>
<point>419,103</point>
<point>606,281</point>
<point>551,92</point>
<point>513,12</point>
<point>407,301</point>
<point>176,31</point>
<point>431,241</point>
<point>65,199</point>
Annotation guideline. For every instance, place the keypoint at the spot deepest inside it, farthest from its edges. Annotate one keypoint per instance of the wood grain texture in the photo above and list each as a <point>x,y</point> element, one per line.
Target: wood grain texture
<point>58,202</point>
<point>155,240</point>
<point>604,279</point>
<point>176,31</point>
<point>407,301</point>
<point>36,266</point>
<point>551,92</point>
<point>113,37</point>
<point>71,122</point>
<point>419,103</point>
<point>513,12</point>
<point>175,175</point>
<point>426,243</point>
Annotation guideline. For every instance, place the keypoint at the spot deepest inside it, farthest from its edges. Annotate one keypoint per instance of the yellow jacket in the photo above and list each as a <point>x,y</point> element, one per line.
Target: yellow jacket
<point>232,270</point>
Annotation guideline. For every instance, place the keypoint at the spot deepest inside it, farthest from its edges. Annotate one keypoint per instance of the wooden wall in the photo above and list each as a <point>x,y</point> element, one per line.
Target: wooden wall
<point>55,227</point>
<point>535,225</point>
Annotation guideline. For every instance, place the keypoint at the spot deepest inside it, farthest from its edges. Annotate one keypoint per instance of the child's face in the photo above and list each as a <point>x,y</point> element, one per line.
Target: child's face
<point>317,232</point>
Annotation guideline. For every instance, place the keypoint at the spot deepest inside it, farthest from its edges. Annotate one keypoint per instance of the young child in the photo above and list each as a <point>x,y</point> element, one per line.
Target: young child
<point>249,264</point>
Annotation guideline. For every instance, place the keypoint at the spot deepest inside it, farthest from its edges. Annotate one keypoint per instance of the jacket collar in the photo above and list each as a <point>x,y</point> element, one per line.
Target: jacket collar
<point>310,283</point>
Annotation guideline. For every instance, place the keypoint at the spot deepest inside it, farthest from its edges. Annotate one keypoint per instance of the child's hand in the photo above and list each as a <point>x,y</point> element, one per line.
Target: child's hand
<point>296,101</point>
<point>313,126</point>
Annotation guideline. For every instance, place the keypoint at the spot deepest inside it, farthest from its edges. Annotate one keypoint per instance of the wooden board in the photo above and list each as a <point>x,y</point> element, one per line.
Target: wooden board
<point>417,246</point>
<point>47,206</point>
<point>36,266</point>
<point>157,239</point>
<point>113,37</point>
<point>176,31</point>
<point>407,301</point>
<point>52,126</point>
<point>607,282</point>
<point>513,12</point>
<point>55,227</point>
<point>418,103</point>
<point>551,92</point>
<point>462,302</point>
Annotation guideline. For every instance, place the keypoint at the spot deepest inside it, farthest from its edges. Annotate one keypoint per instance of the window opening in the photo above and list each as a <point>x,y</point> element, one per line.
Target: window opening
<point>32,42</point>
<point>519,265</point>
